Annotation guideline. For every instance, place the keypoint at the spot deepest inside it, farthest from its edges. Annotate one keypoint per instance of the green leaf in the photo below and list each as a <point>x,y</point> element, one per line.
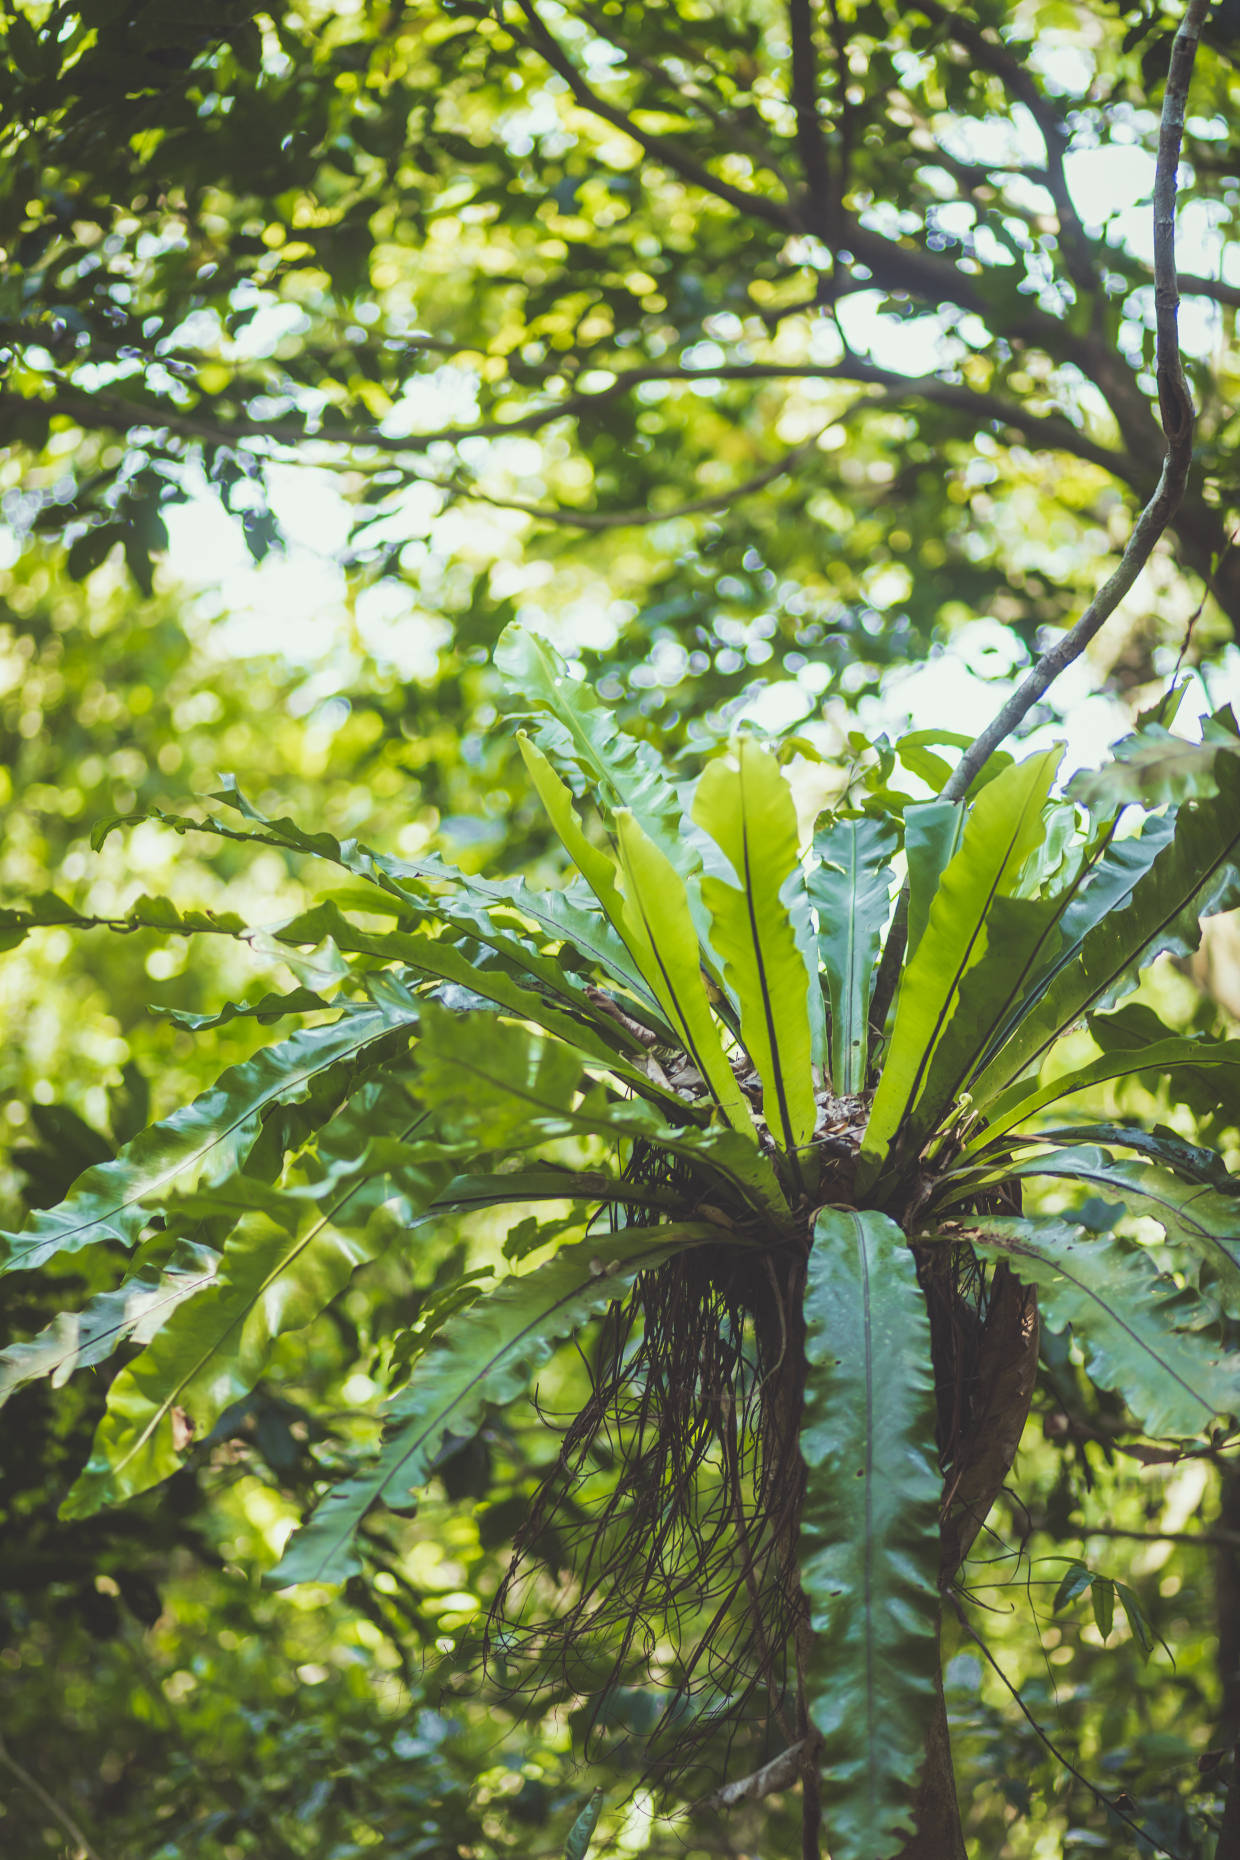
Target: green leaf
<point>1189,1213</point>
<point>1076,1579</point>
<point>1176,1382</point>
<point>620,774</point>
<point>745,804</point>
<point>270,1007</point>
<point>912,750</point>
<point>671,967</point>
<point>131,1313</point>
<point>444,958</point>
<point>1004,827</point>
<point>145,913</point>
<point>659,930</point>
<point>851,891</point>
<point>432,895</point>
<point>1102,1596</point>
<point>932,833</point>
<point>1161,1145</point>
<point>1108,871</point>
<point>1138,1620</point>
<point>486,1356</point>
<point>1193,874</point>
<point>293,1249</point>
<point>581,1833</point>
<point>869,1531</point>
<point>577,726</point>
<point>202,1143</point>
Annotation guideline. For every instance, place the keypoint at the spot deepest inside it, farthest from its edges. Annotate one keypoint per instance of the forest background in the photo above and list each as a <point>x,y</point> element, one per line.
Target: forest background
<point>790,368</point>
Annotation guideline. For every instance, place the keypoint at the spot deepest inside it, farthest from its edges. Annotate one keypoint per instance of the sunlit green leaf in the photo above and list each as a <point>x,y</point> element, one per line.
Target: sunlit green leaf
<point>200,1144</point>
<point>746,806</point>
<point>941,1025</point>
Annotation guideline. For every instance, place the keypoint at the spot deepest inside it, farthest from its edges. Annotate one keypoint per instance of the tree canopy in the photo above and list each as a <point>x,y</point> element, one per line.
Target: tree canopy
<point>831,301</point>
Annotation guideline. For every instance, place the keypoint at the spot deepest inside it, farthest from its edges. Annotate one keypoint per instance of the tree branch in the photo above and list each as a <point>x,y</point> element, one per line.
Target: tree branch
<point>1176,408</point>
<point>632,519</point>
<point>1210,1540</point>
<point>811,145</point>
<point>121,413</point>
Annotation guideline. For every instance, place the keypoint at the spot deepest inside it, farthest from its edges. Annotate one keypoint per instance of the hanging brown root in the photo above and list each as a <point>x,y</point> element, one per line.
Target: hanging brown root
<point>671,1515</point>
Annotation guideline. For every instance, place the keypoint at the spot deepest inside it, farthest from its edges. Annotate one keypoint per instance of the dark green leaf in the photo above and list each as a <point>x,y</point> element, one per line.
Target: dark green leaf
<point>869,1532</point>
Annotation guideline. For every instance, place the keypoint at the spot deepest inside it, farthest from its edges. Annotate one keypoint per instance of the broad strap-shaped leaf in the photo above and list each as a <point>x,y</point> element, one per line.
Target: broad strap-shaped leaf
<point>1022,1101</point>
<point>1004,827</point>
<point>131,1313</point>
<point>202,1143</point>
<point>518,1187</point>
<point>658,928</point>
<point>1176,1382</point>
<point>744,803</point>
<point>1190,1213</point>
<point>486,1356</point>
<point>600,871</point>
<point>670,963</point>
<point>495,1085</point>
<point>869,1530</point>
<point>1194,874</point>
<point>292,1250</point>
<point>850,888</point>
<point>265,1011</point>
<point>571,916</point>
<point>424,893</point>
<point>932,834</point>
<point>603,875</point>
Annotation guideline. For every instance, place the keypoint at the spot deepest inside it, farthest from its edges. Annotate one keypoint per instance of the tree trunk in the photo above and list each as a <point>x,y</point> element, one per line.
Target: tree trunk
<point>939,1834</point>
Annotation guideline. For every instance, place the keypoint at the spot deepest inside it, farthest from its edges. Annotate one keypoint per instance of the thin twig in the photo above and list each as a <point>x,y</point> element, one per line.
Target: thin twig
<point>62,1815</point>
<point>1099,1795</point>
<point>1175,407</point>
